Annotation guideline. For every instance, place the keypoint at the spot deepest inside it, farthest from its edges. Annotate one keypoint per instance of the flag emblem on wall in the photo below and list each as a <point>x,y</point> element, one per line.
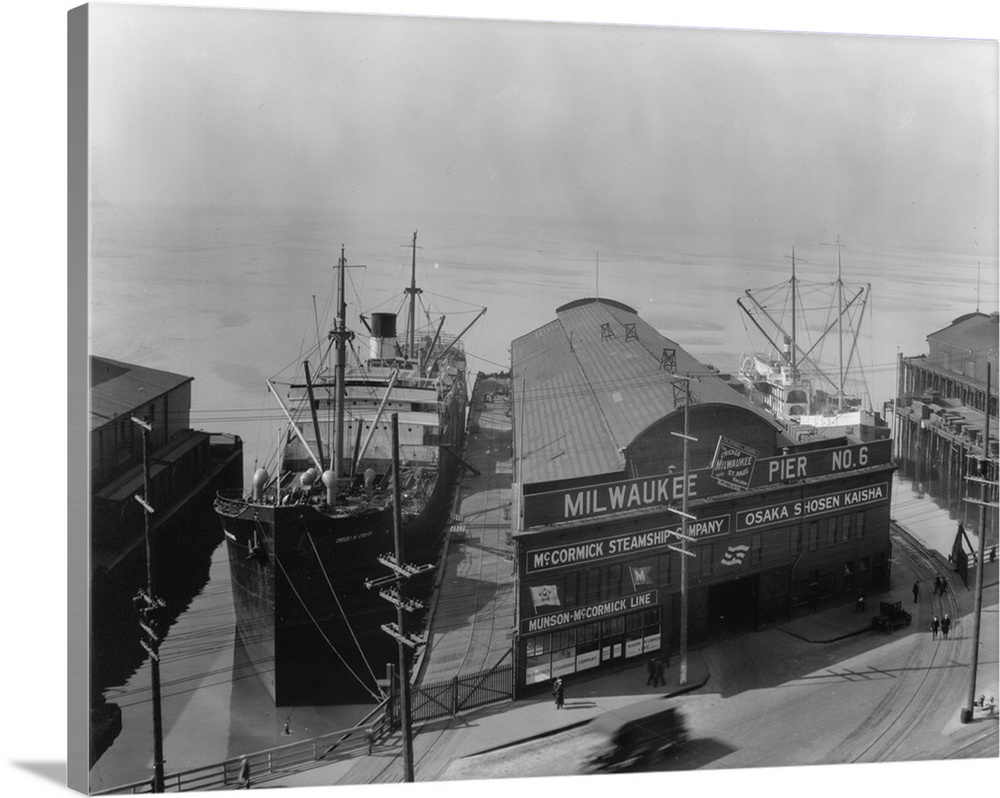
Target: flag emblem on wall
<point>640,576</point>
<point>734,555</point>
<point>545,596</point>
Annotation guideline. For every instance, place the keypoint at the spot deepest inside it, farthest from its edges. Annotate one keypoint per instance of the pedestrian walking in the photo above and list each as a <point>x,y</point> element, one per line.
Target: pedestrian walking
<point>916,592</point>
<point>945,626</point>
<point>651,672</point>
<point>659,680</point>
<point>245,773</point>
<point>934,628</point>
<point>558,693</point>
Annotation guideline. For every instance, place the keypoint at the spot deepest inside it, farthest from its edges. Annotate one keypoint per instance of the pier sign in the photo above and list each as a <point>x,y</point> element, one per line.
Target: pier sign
<point>544,507</point>
<point>590,612</point>
<point>733,464</point>
<point>756,518</point>
<point>591,551</point>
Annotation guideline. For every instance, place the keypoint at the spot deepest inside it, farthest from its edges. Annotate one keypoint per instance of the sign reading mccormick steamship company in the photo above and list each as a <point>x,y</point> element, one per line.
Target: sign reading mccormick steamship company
<point>629,544</point>
<point>594,501</point>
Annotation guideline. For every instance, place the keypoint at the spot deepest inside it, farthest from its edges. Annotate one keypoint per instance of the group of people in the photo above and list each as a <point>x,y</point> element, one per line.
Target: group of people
<point>944,625</point>
<point>655,668</point>
<point>940,588</point>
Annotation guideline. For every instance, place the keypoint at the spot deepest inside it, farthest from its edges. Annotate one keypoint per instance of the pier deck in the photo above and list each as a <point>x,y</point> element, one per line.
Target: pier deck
<point>472,613</point>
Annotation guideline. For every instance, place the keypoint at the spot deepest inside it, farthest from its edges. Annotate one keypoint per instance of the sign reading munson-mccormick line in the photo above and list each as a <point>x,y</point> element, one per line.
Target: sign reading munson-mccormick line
<point>593,501</point>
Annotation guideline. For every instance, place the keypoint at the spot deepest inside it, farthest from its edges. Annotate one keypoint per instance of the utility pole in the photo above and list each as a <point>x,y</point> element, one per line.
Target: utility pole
<point>986,485</point>
<point>404,671</point>
<point>395,593</point>
<point>683,535</point>
<point>151,608</point>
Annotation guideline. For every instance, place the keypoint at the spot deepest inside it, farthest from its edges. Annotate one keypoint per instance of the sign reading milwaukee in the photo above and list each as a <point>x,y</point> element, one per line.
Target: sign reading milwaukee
<point>556,506</point>
<point>590,612</point>
<point>590,550</point>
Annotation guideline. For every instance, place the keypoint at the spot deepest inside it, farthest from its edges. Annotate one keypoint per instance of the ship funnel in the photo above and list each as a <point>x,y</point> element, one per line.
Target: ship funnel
<point>260,478</point>
<point>330,480</point>
<point>383,346</point>
<point>369,482</point>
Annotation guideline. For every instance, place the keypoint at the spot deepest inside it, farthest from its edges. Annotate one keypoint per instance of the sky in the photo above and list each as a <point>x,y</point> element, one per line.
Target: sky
<point>890,138</point>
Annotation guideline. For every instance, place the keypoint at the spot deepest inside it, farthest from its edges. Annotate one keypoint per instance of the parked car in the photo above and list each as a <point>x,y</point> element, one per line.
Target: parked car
<point>891,615</point>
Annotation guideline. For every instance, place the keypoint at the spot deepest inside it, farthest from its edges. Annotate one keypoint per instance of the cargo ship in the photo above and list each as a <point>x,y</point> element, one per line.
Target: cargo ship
<point>307,540</point>
<point>786,376</point>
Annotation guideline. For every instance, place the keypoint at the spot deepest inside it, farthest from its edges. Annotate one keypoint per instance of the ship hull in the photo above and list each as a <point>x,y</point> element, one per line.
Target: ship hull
<point>311,627</point>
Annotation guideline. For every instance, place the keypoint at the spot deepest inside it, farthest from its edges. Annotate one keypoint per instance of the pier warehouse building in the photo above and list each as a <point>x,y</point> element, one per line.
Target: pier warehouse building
<point>778,528</point>
<point>940,417</point>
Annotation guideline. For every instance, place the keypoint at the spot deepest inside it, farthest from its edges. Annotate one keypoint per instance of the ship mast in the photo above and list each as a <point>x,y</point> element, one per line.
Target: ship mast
<point>840,326</point>
<point>840,330</point>
<point>412,291</point>
<point>341,335</point>
<point>795,375</point>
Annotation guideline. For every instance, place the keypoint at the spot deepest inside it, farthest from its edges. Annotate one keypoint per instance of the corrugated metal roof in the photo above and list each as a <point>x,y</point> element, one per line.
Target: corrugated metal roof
<point>118,388</point>
<point>975,332</point>
<point>586,384</point>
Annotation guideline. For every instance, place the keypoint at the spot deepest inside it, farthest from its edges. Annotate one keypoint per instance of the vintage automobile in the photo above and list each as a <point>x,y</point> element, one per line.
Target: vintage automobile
<point>891,616</point>
<point>634,734</point>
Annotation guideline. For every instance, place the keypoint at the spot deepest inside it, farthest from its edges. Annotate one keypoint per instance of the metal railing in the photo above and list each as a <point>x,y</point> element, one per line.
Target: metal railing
<point>263,765</point>
<point>449,697</point>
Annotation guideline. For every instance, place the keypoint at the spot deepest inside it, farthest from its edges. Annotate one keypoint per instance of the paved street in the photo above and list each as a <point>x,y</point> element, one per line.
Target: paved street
<point>823,688</point>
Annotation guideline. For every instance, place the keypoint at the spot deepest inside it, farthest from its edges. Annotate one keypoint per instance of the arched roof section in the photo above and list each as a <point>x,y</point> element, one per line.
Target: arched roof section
<point>587,384</point>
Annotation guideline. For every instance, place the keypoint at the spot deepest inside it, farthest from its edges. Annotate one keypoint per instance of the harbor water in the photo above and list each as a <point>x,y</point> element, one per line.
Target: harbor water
<point>233,299</point>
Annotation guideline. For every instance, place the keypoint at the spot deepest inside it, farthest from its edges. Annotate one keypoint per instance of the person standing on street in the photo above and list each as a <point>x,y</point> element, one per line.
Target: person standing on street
<point>916,592</point>
<point>934,628</point>
<point>558,692</point>
<point>659,680</point>
<point>945,626</point>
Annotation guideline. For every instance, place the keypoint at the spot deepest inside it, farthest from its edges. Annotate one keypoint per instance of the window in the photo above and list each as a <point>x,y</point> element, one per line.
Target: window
<point>848,575</point>
<point>831,531</point>
<point>612,585</point>
<point>572,583</point>
<point>813,535</point>
<point>859,524</point>
<point>663,575</point>
<point>704,560</point>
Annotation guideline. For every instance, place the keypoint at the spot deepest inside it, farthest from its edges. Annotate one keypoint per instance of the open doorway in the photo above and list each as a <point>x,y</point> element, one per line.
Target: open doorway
<point>732,607</point>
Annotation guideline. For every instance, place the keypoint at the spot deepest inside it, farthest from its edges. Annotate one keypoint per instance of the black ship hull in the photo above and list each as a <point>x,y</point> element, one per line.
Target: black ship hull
<point>309,624</point>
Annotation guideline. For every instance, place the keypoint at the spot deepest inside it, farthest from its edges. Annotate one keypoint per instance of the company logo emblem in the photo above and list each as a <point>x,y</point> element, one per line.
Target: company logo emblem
<point>545,596</point>
<point>641,577</point>
<point>735,554</point>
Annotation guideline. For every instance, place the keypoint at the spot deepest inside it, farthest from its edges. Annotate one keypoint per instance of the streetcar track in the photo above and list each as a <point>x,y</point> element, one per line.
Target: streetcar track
<point>900,724</point>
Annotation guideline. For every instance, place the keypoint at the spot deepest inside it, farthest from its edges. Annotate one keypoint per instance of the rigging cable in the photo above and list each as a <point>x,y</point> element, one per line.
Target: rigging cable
<point>319,628</point>
<point>341,608</point>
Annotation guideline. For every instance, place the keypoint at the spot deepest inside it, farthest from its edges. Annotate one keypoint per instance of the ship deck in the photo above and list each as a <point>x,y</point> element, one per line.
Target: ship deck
<point>471,618</point>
